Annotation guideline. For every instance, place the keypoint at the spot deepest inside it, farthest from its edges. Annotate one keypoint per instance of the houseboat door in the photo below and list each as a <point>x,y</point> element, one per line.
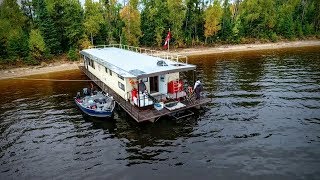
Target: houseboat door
<point>154,84</point>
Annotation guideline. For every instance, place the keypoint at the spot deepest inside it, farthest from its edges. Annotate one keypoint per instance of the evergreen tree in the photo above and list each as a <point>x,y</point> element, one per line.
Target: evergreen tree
<point>27,9</point>
<point>226,26</point>
<point>194,21</point>
<point>37,47</point>
<point>13,39</point>
<point>57,14</point>
<point>258,18</point>
<point>17,45</point>
<point>73,20</point>
<point>236,21</point>
<point>154,22</point>
<point>47,27</point>
<point>176,15</point>
<point>316,18</point>
<point>285,24</point>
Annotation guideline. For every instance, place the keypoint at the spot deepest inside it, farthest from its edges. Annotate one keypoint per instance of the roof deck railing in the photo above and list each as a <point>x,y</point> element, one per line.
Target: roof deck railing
<point>150,52</point>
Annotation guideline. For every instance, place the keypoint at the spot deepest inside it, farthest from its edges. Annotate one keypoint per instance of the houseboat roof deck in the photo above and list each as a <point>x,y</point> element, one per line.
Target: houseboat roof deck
<point>132,64</point>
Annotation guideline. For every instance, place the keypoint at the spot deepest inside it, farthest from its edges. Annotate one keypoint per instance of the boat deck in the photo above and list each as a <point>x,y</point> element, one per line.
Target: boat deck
<point>136,113</point>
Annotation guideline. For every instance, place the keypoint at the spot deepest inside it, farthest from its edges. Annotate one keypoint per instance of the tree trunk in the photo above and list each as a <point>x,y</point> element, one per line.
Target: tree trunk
<point>91,39</point>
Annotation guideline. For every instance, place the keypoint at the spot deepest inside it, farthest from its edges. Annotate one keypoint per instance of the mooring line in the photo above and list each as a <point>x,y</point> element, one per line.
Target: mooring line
<point>61,80</point>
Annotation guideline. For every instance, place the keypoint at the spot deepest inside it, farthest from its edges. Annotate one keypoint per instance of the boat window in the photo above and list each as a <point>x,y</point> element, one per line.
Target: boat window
<point>121,86</point>
<point>121,77</point>
<point>106,70</point>
<point>110,72</point>
<point>91,63</point>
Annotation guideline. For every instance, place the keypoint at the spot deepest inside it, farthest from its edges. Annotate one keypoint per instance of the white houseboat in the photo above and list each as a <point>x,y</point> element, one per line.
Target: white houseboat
<point>139,78</point>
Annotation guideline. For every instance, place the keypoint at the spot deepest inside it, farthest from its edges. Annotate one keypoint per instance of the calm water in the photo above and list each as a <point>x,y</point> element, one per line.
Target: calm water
<point>264,122</point>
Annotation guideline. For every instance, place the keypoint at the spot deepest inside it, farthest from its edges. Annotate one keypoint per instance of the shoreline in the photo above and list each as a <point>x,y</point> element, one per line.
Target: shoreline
<point>197,51</point>
<point>245,48</point>
<point>34,70</point>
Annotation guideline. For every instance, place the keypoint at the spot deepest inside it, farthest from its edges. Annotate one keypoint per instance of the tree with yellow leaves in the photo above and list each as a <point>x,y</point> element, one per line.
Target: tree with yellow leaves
<point>212,17</point>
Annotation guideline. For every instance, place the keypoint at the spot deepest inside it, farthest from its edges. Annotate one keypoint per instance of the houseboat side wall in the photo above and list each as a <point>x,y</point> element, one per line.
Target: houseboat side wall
<point>122,86</point>
<point>110,79</point>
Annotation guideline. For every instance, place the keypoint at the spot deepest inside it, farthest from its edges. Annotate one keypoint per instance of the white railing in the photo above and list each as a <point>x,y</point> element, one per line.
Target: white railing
<point>150,52</point>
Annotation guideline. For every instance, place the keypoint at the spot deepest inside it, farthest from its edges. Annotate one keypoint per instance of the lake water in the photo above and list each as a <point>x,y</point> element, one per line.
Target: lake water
<point>263,122</point>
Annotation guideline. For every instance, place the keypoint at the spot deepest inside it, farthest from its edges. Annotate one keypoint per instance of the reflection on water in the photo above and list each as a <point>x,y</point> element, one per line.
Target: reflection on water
<point>264,122</point>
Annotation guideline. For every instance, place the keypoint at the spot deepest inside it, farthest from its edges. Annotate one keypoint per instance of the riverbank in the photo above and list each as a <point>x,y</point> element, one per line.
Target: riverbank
<point>63,66</point>
<point>33,70</point>
<point>245,47</point>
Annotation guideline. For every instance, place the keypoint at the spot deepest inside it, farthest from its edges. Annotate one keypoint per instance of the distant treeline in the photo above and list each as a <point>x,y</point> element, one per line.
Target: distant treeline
<point>36,30</point>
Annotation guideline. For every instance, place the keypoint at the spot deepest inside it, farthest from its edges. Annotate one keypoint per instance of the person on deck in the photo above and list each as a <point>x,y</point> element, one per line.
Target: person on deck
<point>197,89</point>
<point>142,87</point>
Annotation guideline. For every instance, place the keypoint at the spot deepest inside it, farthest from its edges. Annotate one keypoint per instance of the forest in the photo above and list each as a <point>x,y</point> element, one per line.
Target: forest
<point>33,31</point>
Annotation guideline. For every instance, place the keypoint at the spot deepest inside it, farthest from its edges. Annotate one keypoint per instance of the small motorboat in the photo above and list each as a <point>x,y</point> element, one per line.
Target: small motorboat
<point>96,104</point>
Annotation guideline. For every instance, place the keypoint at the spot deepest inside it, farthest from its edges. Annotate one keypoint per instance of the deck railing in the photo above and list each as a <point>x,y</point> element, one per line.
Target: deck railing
<point>150,52</point>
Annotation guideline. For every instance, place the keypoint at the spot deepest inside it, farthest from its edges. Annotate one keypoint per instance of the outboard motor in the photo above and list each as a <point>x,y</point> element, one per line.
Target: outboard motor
<point>85,92</point>
<point>78,95</point>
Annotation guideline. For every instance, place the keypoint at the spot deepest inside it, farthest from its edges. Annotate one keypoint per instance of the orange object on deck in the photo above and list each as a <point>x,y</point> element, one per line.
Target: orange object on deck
<point>175,86</point>
<point>134,93</point>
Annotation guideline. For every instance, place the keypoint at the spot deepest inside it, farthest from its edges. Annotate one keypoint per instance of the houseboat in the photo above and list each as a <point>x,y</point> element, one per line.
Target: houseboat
<point>147,84</point>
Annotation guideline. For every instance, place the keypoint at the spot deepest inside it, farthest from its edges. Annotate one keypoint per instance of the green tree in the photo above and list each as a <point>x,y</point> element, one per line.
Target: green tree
<point>5,29</point>
<point>12,31</point>
<point>258,18</point>
<point>131,17</point>
<point>72,54</point>
<point>212,19</point>
<point>194,21</point>
<point>236,21</point>
<point>27,8</point>
<point>226,22</point>
<point>56,11</point>
<point>47,27</point>
<point>17,45</point>
<point>154,22</point>
<point>73,18</point>
<point>285,24</point>
<point>92,18</point>
<point>176,15</point>
<point>113,21</point>
<point>316,18</point>
<point>37,46</point>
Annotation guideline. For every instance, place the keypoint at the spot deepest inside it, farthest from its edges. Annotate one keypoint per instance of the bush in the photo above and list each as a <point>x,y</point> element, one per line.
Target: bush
<point>31,61</point>
<point>73,54</point>
<point>17,45</point>
<point>37,46</point>
<point>273,37</point>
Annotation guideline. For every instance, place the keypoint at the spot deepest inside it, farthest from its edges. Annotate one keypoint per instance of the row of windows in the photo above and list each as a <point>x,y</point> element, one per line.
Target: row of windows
<point>91,63</point>
<point>119,76</point>
<point>109,71</point>
<point>120,85</point>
